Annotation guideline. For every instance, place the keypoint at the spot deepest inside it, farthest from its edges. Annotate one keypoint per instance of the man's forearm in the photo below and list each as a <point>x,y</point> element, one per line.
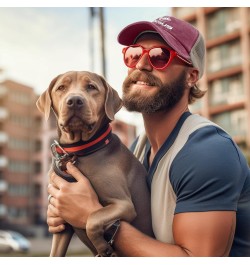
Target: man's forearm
<point>129,242</point>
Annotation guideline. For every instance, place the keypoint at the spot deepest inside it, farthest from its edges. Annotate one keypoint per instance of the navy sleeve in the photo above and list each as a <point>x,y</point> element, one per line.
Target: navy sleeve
<point>206,174</point>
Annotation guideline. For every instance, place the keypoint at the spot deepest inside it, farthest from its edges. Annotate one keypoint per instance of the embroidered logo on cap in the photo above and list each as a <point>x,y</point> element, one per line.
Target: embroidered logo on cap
<point>163,22</point>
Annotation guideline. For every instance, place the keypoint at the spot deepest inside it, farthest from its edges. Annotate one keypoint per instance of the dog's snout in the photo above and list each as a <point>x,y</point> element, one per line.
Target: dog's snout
<point>75,102</point>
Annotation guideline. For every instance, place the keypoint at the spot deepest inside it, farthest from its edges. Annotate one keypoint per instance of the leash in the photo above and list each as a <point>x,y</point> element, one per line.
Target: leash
<point>63,153</point>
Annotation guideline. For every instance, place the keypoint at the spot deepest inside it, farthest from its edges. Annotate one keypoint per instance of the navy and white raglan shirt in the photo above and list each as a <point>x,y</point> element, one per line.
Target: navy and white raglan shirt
<point>199,168</point>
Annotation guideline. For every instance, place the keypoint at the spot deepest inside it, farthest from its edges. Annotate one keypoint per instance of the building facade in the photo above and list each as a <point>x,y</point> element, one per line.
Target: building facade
<point>20,155</point>
<point>226,31</point>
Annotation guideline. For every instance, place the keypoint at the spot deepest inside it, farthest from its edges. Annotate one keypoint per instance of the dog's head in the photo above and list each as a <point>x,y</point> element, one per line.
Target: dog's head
<point>82,102</point>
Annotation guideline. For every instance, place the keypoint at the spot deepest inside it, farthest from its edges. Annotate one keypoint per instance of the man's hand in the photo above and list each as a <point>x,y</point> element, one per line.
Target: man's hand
<point>70,202</point>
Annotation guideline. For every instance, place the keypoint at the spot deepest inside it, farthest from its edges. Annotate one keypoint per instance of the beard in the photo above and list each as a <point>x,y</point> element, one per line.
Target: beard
<point>167,96</point>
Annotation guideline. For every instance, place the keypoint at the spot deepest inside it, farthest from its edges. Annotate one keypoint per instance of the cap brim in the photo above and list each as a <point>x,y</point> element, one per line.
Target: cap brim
<point>128,35</point>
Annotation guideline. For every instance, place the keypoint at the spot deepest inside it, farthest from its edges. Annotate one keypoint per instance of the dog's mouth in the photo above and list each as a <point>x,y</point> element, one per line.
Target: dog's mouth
<point>76,124</point>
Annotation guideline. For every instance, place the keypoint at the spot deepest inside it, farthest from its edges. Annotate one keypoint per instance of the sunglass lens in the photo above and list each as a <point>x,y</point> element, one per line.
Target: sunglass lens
<point>159,57</point>
<point>132,56</point>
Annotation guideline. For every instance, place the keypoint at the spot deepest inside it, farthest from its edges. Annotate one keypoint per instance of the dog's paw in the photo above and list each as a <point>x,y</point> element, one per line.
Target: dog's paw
<point>108,252</point>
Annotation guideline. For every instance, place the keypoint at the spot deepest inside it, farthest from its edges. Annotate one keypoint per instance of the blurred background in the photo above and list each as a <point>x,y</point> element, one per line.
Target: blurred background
<point>37,44</point>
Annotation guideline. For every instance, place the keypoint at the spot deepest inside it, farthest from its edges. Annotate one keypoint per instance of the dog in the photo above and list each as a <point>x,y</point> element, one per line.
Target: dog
<point>84,105</point>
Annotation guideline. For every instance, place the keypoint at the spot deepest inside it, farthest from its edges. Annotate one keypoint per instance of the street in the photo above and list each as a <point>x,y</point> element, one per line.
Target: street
<point>40,246</point>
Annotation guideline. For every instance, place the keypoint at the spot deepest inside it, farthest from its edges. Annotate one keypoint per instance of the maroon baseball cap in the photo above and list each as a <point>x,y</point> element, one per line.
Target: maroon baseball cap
<point>181,36</point>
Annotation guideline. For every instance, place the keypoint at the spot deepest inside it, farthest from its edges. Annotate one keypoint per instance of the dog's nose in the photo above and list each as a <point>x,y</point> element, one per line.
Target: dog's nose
<point>75,102</point>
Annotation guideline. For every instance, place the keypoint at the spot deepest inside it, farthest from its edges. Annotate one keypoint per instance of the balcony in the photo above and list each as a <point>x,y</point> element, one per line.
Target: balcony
<point>3,186</point>
<point>3,114</point>
<point>3,210</point>
<point>3,138</point>
<point>3,91</point>
<point>3,162</point>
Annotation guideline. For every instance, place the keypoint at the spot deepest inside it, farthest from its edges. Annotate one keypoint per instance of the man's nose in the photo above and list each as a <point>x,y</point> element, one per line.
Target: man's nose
<point>144,64</point>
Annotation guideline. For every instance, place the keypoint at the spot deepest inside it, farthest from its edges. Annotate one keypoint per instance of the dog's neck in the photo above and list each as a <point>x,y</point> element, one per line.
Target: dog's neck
<point>63,153</point>
<point>101,138</point>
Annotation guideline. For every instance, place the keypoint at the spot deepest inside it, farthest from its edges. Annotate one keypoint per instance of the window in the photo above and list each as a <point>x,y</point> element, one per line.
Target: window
<point>14,212</point>
<point>37,146</point>
<point>224,56</point>
<point>223,21</point>
<point>16,166</point>
<point>19,144</point>
<point>233,122</point>
<point>226,91</point>
<point>37,167</point>
<point>18,190</point>
<point>20,97</point>
<point>213,60</point>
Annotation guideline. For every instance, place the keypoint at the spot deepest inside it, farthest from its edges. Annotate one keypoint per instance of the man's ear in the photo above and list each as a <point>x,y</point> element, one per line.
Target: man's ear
<point>192,76</point>
<point>113,102</point>
<point>44,101</point>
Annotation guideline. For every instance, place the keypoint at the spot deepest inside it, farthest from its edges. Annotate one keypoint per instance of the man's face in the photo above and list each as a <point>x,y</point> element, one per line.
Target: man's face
<point>148,90</point>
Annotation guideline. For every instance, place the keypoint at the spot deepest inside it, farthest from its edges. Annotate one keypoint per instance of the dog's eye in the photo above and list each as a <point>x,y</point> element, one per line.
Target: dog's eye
<point>61,87</point>
<point>91,87</point>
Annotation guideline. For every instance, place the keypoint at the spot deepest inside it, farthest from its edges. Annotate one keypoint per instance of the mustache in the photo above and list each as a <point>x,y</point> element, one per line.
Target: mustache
<point>146,77</point>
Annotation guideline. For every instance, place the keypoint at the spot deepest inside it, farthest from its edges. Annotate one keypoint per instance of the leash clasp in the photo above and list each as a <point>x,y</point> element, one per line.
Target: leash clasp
<point>55,153</point>
<point>61,159</point>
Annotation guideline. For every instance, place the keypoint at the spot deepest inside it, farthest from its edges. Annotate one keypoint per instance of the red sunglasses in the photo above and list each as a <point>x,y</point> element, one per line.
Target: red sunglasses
<point>159,57</point>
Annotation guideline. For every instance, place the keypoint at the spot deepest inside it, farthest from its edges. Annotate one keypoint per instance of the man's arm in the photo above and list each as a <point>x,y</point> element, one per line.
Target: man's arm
<point>207,234</point>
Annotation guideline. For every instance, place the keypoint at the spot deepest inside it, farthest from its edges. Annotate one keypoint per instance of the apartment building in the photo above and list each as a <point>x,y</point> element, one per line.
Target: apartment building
<point>227,76</point>
<point>20,155</point>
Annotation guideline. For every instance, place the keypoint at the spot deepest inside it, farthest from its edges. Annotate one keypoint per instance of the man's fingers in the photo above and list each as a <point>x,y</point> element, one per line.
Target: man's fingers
<point>56,229</point>
<point>56,180</point>
<point>74,171</point>
<point>55,222</point>
<point>53,191</point>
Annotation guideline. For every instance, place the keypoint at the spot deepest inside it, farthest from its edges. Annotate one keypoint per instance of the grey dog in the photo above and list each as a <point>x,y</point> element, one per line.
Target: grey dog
<point>85,104</point>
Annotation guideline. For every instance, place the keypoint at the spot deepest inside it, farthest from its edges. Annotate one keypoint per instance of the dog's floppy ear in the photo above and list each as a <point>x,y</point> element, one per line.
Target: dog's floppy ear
<point>44,101</point>
<point>112,102</point>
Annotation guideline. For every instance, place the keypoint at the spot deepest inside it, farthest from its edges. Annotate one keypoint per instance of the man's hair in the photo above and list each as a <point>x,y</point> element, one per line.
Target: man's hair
<point>195,93</point>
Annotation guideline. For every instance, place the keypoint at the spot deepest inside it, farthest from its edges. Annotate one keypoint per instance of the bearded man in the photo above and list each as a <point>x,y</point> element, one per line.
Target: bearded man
<point>198,177</point>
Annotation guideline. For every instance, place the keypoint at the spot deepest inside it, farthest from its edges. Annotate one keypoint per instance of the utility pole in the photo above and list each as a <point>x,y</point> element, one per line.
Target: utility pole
<point>103,54</point>
<point>100,16</point>
<point>91,38</point>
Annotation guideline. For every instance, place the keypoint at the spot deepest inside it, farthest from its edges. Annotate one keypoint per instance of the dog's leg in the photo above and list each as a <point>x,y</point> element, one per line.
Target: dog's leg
<point>100,219</point>
<point>84,238</point>
<point>60,242</point>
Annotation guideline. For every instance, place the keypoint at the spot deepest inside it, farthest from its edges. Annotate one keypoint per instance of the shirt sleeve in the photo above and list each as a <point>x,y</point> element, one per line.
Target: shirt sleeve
<point>206,174</point>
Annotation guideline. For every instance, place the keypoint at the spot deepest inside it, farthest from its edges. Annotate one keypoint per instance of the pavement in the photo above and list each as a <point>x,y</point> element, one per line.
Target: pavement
<point>40,247</point>
<point>43,245</point>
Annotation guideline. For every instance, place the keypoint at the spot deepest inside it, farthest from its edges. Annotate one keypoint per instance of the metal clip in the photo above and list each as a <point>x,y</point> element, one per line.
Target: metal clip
<point>54,152</point>
<point>61,160</point>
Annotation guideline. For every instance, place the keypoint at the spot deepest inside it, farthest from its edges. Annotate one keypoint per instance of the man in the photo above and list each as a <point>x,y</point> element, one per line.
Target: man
<point>199,179</point>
